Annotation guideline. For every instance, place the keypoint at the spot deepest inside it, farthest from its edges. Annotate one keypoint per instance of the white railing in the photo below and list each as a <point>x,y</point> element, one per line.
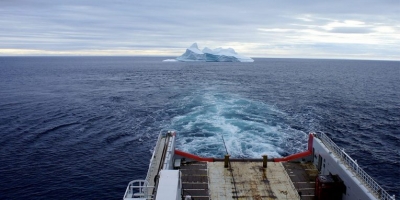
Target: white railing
<point>352,164</point>
<point>152,168</point>
<point>137,189</point>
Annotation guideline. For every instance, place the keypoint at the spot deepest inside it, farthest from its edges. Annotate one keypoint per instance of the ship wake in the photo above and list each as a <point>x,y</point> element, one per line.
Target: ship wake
<point>249,128</point>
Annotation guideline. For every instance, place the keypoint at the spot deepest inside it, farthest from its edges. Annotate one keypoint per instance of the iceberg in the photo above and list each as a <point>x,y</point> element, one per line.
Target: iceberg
<point>193,53</point>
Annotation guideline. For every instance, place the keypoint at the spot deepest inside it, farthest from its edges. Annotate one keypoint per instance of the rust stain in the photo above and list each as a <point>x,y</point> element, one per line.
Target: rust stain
<point>254,191</point>
<point>264,172</point>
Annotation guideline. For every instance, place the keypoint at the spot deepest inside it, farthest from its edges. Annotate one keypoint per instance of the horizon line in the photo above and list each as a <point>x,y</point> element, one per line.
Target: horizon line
<point>166,56</point>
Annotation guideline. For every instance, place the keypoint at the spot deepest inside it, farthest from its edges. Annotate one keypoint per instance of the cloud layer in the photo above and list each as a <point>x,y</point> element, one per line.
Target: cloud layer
<point>302,29</point>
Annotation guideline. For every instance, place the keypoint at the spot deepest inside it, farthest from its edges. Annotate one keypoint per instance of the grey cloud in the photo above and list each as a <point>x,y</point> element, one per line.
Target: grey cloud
<point>123,24</point>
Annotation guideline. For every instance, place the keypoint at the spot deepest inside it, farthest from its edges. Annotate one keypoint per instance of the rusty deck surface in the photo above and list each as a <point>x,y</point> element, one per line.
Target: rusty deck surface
<point>250,181</point>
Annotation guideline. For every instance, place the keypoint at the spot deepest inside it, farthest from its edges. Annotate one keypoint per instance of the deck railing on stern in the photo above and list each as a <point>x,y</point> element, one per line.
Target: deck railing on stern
<point>137,189</point>
<point>352,164</point>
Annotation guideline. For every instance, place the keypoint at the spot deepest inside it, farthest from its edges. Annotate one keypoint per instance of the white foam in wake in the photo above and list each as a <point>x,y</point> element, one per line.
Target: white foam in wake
<point>249,128</point>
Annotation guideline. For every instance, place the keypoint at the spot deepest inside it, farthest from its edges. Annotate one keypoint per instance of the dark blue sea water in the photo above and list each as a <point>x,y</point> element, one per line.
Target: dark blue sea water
<point>83,127</point>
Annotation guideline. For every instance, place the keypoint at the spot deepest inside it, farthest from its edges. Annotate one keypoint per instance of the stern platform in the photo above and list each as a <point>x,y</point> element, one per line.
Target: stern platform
<point>246,180</point>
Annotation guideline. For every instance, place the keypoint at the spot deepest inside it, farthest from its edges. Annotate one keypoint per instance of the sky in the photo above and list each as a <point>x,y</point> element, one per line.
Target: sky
<point>340,29</point>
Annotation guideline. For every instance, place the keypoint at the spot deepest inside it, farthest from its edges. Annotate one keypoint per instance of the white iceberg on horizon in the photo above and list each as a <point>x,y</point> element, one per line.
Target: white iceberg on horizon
<point>193,53</point>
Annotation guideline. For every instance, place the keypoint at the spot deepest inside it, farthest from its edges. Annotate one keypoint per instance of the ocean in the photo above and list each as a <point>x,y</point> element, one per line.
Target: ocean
<point>83,127</point>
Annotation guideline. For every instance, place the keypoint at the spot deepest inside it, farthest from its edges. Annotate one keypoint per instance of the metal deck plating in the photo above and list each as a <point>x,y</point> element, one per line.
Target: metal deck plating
<point>174,174</point>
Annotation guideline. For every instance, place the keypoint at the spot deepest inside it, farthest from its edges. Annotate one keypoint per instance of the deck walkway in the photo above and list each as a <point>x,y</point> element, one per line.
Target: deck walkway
<point>250,180</point>
<point>195,180</point>
<point>303,177</point>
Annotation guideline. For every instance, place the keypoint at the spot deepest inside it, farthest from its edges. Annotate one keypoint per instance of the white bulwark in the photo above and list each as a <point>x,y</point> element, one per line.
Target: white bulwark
<point>169,185</point>
<point>330,159</point>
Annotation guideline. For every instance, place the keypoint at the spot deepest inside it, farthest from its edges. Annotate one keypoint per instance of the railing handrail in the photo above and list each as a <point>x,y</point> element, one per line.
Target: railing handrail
<point>352,164</point>
<point>142,186</point>
<point>130,187</point>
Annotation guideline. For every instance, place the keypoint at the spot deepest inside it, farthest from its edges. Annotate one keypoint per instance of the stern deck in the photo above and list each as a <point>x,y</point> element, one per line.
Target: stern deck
<point>202,180</point>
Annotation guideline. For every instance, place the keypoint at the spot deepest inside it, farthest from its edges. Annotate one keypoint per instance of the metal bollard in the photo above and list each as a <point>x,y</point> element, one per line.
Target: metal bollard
<point>226,161</point>
<point>265,158</point>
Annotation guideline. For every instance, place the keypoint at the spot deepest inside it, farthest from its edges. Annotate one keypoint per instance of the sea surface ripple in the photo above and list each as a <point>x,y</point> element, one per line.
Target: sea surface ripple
<point>83,127</point>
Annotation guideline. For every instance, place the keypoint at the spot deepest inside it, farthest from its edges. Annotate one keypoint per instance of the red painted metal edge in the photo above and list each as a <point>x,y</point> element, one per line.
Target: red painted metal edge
<point>299,155</point>
<point>192,156</point>
<point>293,157</point>
<point>287,158</point>
<point>310,141</point>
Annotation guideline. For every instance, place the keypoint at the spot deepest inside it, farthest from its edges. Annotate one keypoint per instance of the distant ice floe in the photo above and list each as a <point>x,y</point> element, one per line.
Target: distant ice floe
<point>193,53</point>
